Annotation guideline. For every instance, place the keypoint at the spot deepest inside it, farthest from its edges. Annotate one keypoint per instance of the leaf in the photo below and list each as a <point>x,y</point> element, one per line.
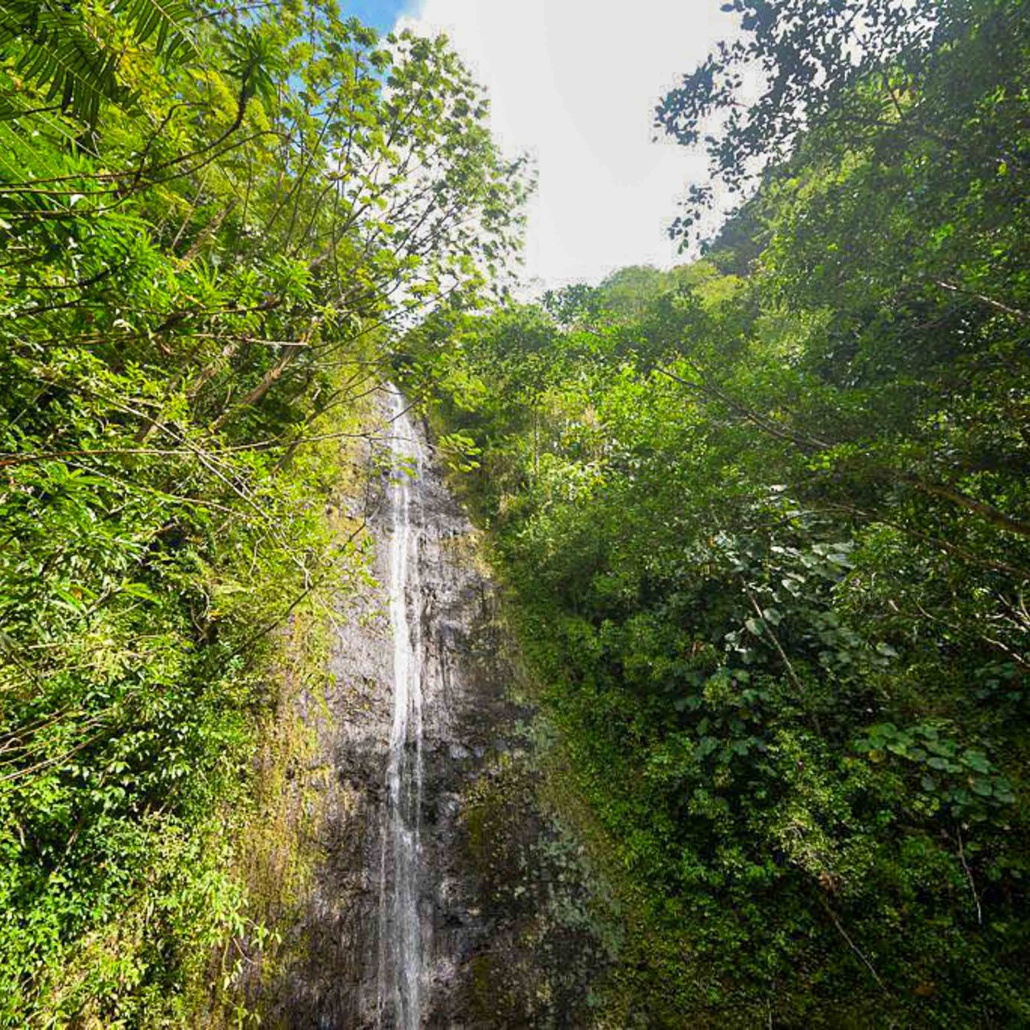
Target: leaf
<point>169,19</point>
<point>982,786</point>
<point>140,590</point>
<point>976,760</point>
<point>707,746</point>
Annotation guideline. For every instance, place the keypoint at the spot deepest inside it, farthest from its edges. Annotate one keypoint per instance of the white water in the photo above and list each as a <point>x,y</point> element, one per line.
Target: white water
<point>400,932</point>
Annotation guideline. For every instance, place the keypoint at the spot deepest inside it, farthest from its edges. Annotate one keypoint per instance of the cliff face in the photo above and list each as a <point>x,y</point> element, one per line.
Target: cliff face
<point>443,894</point>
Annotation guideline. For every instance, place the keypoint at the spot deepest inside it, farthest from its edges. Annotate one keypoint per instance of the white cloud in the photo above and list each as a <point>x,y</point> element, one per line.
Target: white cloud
<point>575,82</point>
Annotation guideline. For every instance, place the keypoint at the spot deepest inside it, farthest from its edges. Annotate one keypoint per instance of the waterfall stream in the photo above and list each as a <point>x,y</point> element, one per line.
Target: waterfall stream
<point>400,931</point>
<point>438,896</point>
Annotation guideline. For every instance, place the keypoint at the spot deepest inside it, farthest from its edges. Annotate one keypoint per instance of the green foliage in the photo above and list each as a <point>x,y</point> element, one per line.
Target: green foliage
<point>766,523</point>
<point>199,269</point>
<point>56,48</point>
<point>860,69</point>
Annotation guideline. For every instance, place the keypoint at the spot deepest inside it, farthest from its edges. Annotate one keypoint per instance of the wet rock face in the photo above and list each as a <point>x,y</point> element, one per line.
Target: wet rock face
<point>504,933</point>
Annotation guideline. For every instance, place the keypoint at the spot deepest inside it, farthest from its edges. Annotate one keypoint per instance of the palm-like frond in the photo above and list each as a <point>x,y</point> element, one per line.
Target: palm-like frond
<point>59,55</point>
<point>167,19</point>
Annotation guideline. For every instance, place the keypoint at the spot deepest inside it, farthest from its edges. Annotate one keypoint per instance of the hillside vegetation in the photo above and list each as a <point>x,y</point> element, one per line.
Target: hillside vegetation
<point>765,520</point>
<point>210,218</point>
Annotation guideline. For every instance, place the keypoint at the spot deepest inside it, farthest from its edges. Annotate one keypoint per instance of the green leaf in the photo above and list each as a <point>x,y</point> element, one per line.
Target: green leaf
<point>983,786</point>
<point>976,760</point>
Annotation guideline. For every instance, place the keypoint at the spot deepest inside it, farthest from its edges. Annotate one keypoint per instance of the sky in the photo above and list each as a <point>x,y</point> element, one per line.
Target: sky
<point>574,83</point>
<point>379,14</point>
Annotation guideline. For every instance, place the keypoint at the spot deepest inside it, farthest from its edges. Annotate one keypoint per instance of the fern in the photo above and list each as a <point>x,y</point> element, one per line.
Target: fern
<point>57,52</point>
<point>59,56</point>
<point>168,19</point>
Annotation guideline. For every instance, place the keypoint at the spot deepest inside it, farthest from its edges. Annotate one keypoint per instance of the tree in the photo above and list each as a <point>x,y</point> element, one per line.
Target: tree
<point>801,65</point>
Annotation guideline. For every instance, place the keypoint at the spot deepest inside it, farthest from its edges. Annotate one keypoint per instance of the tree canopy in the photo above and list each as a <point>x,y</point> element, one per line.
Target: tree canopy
<point>855,71</point>
<point>766,523</point>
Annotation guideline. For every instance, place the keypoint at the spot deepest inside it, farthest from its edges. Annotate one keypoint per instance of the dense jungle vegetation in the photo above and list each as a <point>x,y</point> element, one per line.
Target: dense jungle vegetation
<point>210,220</point>
<point>765,520</point>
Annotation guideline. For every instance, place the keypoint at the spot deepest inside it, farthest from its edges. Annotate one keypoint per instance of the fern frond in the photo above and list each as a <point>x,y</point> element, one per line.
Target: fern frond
<point>16,18</point>
<point>168,19</point>
<point>60,57</point>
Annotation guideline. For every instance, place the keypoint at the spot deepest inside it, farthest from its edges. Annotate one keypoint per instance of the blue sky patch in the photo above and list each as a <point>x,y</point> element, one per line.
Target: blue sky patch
<point>380,14</point>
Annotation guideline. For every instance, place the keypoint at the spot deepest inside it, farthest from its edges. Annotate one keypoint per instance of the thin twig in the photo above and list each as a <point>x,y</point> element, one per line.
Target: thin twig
<point>989,301</point>
<point>969,876</point>
<point>776,643</point>
<point>854,947</point>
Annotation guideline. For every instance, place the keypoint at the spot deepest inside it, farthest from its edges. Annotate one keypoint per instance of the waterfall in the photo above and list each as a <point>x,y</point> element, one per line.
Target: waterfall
<point>400,932</point>
<point>440,891</point>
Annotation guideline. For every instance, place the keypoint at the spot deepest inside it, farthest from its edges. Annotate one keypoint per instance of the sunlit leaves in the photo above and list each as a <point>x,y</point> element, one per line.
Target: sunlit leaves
<point>203,253</point>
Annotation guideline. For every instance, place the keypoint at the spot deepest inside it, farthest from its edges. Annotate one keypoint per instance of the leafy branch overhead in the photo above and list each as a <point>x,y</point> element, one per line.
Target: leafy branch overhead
<point>71,58</point>
<point>801,66</point>
<point>210,223</point>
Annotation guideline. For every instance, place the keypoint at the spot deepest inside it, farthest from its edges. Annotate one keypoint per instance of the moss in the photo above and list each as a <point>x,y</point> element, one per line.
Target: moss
<point>271,834</point>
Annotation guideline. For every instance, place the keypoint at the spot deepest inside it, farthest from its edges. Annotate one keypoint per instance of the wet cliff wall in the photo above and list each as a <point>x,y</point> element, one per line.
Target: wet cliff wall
<point>506,928</point>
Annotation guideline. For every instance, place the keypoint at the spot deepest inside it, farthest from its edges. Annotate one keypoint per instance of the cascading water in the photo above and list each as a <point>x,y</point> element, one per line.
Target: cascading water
<point>400,930</point>
<point>433,904</point>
